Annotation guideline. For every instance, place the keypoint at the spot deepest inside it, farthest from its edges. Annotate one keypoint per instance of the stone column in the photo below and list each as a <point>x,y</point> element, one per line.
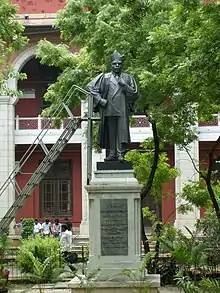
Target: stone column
<point>84,226</point>
<point>187,173</point>
<point>7,151</point>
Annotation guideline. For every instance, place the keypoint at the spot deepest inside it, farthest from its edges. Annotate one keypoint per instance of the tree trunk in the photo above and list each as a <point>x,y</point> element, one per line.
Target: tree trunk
<point>208,180</point>
<point>144,238</point>
<point>147,188</point>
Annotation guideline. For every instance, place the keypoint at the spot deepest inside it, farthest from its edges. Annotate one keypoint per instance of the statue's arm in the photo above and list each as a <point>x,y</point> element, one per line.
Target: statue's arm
<point>94,88</point>
<point>131,93</point>
<point>131,86</point>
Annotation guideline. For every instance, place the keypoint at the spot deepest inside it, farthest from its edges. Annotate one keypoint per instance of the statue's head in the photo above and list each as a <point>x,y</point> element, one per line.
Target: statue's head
<point>117,62</point>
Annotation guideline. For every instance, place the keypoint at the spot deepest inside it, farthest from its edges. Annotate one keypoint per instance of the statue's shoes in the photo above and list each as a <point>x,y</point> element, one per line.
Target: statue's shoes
<point>120,158</point>
<point>111,158</point>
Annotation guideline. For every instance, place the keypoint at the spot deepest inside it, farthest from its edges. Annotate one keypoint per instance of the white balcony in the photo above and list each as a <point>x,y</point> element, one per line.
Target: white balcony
<point>27,129</point>
<point>209,131</point>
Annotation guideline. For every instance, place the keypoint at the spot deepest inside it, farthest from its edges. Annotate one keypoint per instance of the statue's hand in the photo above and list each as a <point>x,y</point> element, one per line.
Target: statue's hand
<point>103,103</point>
<point>131,108</point>
<point>122,82</point>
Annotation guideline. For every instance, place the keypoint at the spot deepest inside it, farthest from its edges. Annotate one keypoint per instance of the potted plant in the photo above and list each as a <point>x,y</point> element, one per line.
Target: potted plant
<point>4,273</point>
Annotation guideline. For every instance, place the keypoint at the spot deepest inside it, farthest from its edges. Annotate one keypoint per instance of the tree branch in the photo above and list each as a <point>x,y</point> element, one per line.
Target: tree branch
<point>194,164</point>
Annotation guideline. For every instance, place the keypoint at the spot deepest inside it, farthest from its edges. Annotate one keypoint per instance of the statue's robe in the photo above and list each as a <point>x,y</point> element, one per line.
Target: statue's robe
<point>120,103</point>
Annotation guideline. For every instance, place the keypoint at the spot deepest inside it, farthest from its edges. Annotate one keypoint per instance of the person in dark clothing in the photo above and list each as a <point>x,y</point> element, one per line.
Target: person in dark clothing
<point>69,224</point>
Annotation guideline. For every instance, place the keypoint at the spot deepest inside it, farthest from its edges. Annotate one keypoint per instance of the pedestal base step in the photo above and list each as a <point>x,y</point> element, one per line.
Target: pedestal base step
<point>152,282</point>
<point>114,165</point>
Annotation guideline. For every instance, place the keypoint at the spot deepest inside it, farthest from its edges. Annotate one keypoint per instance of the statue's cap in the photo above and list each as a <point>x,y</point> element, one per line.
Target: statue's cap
<point>117,56</point>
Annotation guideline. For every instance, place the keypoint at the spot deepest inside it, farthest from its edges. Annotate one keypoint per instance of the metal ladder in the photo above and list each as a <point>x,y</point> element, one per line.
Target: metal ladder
<point>50,157</point>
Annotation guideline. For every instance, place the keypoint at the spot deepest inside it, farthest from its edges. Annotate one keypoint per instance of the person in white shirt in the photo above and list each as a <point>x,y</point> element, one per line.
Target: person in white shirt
<point>37,227</point>
<point>66,247</point>
<point>46,227</point>
<point>70,237</point>
<point>65,239</point>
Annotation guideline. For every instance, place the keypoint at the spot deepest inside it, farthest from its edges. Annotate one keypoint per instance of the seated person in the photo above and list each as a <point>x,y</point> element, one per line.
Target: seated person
<point>37,227</point>
<point>56,228</point>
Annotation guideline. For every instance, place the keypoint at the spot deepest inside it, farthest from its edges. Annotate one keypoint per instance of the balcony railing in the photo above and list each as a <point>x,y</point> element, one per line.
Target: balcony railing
<point>38,123</point>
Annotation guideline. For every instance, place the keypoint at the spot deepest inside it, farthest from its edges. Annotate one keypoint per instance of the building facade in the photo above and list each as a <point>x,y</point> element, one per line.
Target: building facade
<point>61,193</point>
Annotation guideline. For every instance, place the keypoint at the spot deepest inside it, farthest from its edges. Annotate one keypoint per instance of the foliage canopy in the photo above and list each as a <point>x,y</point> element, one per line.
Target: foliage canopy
<point>171,47</point>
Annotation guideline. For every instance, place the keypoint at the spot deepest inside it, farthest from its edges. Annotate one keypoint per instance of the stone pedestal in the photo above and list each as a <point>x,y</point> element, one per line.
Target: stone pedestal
<point>114,230</point>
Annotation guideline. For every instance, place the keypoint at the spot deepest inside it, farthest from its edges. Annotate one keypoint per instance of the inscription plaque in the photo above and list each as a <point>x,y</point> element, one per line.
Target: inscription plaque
<point>114,227</point>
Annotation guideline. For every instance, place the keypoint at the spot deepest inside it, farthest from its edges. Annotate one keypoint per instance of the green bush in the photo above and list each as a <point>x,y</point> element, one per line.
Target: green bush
<point>27,228</point>
<point>210,230</point>
<point>40,258</point>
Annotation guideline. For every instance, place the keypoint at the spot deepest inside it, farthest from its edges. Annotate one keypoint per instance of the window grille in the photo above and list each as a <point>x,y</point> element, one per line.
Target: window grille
<point>56,191</point>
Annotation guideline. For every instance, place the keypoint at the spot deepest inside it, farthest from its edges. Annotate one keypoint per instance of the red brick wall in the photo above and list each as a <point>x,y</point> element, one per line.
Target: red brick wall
<point>46,6</point>
<point>168,196</point>
<point>31,205</point>
<point>39,6</point>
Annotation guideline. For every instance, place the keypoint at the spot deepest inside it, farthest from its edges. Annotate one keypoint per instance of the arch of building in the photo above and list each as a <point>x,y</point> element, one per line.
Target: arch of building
<point>18,64</point>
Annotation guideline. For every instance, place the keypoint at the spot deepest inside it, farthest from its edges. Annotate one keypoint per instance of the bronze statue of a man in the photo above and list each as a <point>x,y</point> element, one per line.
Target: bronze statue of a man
<point>114,95</point>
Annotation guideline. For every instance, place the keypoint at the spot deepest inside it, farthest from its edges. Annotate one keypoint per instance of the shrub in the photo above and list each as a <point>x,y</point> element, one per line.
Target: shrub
<point>40,258</point>
<point>210,230</point>
<point>27,228</point>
